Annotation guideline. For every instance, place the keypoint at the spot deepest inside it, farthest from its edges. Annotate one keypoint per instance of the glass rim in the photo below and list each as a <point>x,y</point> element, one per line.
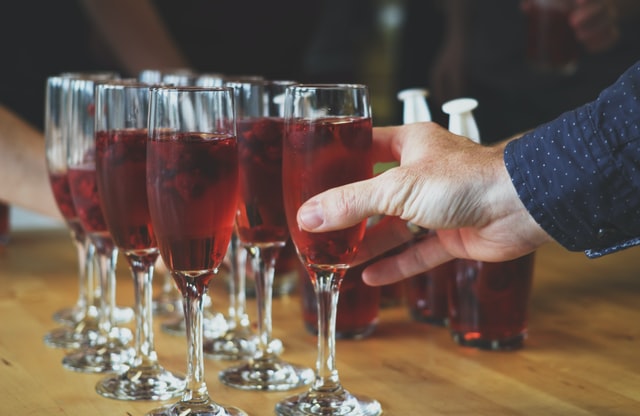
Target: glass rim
<point>328,86</point>
<point>123,83</point>
<point>189,88</point>
<point>261,82</point>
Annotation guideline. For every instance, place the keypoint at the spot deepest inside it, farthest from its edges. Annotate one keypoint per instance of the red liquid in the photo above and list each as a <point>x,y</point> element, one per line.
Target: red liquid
<point>192,188</point>
<point>261,217</point>
<point>551,43</point>
<point>82,182</point>
<point>358,305</point>
<point>62,194</point>
<point>488,302</point>
<point>320,155</point>
<point>121,160</point>
<point>427,296</point>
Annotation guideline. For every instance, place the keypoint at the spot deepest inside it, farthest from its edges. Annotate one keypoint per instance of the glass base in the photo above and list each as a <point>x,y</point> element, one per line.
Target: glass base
<point>237,344</point>
<point>340,403</point>
<point>122,315</point>
<point>214,325</point>
<point>193,408</point>
<point>427,319</point>
<point>112,357</point>
<point>267,374</point>
<point>72,316</point>
<point>83,334</point>
<point>473,339</point>
<point>167,303</point>
<point>351,333</point>
<point>142,383</point>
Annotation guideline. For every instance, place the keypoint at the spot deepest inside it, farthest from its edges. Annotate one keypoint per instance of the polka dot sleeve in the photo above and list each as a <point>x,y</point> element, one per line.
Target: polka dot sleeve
<point>579,175</point>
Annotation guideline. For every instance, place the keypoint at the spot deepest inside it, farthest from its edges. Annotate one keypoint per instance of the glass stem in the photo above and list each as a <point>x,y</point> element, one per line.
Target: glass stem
<point>142,269</point>
<point>87,274</point>
<point>193,303</point>
<point>111,287</point>
<point>264,261</point>
<point>107,256</point>
<point>167,283</point>
<point>82,245</point>
<point>238,317</point>
<point>327,288</point>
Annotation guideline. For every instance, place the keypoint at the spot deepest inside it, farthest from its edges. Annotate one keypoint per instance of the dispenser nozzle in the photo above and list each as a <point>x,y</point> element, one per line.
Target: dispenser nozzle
<point>415,105</point>
<point>461,120</point>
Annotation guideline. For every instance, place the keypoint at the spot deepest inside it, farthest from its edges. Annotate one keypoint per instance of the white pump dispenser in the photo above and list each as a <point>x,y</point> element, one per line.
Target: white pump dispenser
<point>415,105</point>
<point>461,120</point>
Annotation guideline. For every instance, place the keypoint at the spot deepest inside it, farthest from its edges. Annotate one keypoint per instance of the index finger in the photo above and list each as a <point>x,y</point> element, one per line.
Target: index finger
<point>385,149</point>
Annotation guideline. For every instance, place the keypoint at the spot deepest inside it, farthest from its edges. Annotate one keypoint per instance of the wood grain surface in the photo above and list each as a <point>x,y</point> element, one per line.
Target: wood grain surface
<point>582,356</point>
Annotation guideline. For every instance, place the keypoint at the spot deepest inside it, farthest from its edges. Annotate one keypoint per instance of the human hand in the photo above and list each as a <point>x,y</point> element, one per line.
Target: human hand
<point>445,183</point>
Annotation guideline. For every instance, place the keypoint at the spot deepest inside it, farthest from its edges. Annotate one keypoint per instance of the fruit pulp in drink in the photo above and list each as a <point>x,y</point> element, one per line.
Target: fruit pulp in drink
<point>261,217</point>
<point>121,159</point>
<point>192,186</point>
<point>62,194</point>
<point>320,154</point>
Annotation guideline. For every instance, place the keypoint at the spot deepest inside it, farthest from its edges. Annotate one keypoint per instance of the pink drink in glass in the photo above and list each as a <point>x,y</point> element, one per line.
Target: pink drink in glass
<point>195,178</point>
<point>427,297</point>
<point>489,302</point>
<point>83,185</point>
<point>123,154</point>
<point>323,154</point>
<point>261,217</point>
<point>62,194</point>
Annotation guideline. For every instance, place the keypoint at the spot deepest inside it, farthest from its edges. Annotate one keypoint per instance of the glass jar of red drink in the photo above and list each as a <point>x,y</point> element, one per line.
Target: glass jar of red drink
<point>489,303</point>
<point>358,305</point>
<point>427,298</point>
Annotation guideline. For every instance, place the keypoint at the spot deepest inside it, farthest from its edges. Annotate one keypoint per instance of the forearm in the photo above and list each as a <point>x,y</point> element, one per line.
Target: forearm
<point>578,175</point>
<point>135,33</point>
<point>22,161</point>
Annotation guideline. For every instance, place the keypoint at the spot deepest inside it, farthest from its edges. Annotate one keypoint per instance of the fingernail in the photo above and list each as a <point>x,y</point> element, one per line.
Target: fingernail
<point>310,215</point>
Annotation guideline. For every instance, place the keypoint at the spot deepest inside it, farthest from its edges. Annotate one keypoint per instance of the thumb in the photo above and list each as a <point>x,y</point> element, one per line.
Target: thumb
<point>341,207</point>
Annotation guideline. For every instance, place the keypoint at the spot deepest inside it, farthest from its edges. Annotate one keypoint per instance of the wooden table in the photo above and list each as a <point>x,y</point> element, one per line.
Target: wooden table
<point>582,356</point>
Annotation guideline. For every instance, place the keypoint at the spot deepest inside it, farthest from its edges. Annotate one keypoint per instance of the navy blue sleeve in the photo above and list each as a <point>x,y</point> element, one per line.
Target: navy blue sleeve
<point>579,175</point>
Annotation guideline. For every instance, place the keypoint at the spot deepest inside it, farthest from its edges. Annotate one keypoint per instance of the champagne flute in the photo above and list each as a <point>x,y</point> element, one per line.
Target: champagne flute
<point>327,143</point>
<point>169,301</point>
<point>110,352</point>
<point>80,319</point>
<point>192,188</point>
<point>89,291</point>
<point>261,226</point>
<point>239,341</point>
<point>121,158</point>
<point>82,325</point>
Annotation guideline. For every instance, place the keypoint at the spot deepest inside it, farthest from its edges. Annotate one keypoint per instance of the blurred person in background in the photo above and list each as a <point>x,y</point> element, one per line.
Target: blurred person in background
<point>53,37</point>
<point>483,54</point>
